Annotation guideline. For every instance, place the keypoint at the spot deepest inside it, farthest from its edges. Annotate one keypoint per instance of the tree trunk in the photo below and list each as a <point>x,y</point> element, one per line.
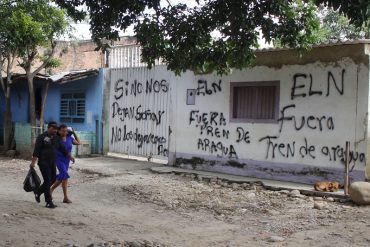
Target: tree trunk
<point>43,104</point>
<point>6,85</point>
<point>7,119</point>
<point>32,107</point>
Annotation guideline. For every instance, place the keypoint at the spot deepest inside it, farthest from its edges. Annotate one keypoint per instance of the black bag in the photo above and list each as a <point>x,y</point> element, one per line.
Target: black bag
<point>32,181</point>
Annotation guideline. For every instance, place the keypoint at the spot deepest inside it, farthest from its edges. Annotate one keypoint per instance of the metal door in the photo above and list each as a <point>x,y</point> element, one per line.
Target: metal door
<point>139,111</point>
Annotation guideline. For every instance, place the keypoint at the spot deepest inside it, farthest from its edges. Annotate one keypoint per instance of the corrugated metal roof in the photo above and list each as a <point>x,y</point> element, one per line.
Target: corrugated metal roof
<point>326,44</point>
<point>63,77</point>
<point>70,76</point>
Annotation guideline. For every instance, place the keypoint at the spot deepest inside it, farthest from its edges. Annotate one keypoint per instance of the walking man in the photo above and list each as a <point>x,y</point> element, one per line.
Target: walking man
<point>45,154</point>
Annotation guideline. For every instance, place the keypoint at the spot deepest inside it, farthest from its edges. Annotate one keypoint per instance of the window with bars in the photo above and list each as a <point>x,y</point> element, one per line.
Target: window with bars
<point>72,108</point>
<point>255,101</point>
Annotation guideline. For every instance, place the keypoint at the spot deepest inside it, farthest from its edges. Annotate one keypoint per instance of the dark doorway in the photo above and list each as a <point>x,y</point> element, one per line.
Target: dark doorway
<point>38,100</point>
<point>2,109</point>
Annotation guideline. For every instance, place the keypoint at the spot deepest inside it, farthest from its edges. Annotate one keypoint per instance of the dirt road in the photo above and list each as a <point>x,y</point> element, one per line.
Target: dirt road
<point>138,208</point>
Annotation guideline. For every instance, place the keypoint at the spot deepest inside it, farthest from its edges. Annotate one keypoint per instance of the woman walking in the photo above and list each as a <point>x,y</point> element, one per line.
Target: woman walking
<point>62,163</point>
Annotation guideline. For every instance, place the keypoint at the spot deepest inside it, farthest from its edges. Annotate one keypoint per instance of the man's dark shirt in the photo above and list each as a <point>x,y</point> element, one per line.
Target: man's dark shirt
<point>46,147</point>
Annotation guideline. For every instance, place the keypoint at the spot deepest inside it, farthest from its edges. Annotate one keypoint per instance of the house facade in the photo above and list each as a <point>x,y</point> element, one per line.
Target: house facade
<point>75,101</point>
<point>74,96</point>
<point>78,104</point>
<point>287,118</point>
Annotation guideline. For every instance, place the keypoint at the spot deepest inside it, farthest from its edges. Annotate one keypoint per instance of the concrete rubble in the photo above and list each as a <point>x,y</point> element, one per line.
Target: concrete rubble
<point>360,193</point>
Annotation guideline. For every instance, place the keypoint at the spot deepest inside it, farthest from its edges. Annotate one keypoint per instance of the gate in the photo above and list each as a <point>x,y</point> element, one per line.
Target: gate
<point>1,135</point>
<point>139,111</point>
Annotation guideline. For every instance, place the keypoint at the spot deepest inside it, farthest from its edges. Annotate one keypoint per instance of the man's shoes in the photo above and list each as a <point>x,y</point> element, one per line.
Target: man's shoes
<point>37,198</point>
<point>50,205</point>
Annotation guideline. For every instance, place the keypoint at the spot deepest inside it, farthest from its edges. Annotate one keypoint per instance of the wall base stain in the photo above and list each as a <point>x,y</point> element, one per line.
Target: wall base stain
<point>194,161</point>
<point>234,163</point>
<point>266,170</point>
<point>314,171</point>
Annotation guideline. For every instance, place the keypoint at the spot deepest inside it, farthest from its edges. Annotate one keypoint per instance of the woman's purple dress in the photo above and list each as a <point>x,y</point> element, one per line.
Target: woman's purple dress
<point>62,161</point>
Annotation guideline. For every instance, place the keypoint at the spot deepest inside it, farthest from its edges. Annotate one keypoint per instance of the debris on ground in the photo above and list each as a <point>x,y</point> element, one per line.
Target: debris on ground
<point>360,193</point>
<point>147,209</point>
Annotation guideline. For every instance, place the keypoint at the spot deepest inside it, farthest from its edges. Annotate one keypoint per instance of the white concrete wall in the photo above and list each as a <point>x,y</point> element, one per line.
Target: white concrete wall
<point>367,170</point>
<point>347,111</point>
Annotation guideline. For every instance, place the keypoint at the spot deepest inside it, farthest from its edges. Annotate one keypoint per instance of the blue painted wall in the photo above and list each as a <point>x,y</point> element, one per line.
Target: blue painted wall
<point>19,105</point>
<point>92,87</point>
<point>20,102</point>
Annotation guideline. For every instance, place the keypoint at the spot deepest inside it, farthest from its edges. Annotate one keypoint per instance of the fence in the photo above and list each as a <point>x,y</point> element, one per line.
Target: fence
<point>22,136</point>
<point>1,135</point>
<point>25,138</point>
<point>35,132</point>
<point>145,97</point>
<point>87,136</point>
<point>127,56</point>
<point>3,132</point>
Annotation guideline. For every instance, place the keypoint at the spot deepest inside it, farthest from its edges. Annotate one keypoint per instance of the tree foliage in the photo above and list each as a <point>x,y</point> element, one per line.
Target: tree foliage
<point>216,34</point>
<point>184,39</point>
<point>336,26</point>
<point>32,27</point>
<point>357,11</point>
<point>7,40</point>
<point>27,38</point>
<point>9,50</point>
<point>39,24</point>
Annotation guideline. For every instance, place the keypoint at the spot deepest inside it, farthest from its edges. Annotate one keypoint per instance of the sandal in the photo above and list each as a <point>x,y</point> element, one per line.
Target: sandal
<point>67,201</point>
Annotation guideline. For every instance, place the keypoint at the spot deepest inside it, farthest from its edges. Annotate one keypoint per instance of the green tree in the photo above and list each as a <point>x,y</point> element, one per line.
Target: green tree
<point>27,36</point>
<point>9,51</point>
<point>182,35</point>
<point>336,26</point>
<point>39,24</point>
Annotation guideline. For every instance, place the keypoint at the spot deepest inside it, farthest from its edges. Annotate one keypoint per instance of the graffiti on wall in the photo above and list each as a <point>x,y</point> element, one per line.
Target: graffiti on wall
<point>215,131</point>
<point>303,85</point>
<point>122,87</point>
<point>136,113</point>
<point>138,116</point>
<point>319,123</point>
<point>207,88</point>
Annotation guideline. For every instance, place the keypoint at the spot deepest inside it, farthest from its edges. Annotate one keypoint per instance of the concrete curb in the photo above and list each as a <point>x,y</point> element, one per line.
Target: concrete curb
<point>267,184</point>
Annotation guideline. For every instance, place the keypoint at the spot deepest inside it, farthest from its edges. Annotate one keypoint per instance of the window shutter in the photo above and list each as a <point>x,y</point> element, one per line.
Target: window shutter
<point>255,102</point>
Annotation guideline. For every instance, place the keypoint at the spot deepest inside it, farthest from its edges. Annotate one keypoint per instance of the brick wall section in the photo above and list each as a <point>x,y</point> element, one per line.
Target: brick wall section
<point>77,55</point>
